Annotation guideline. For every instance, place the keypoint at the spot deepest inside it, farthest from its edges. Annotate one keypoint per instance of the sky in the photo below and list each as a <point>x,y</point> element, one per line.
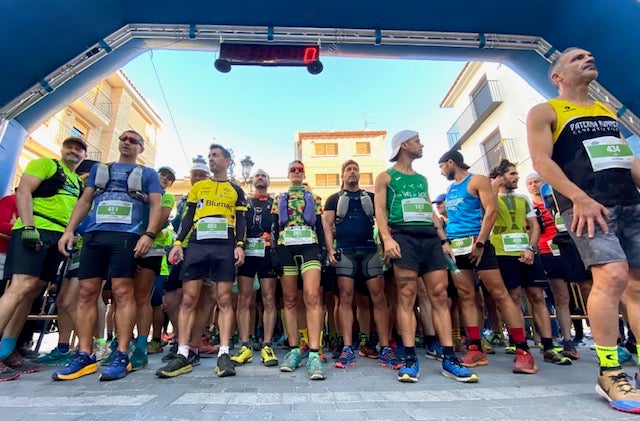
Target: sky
<point>256,111</point>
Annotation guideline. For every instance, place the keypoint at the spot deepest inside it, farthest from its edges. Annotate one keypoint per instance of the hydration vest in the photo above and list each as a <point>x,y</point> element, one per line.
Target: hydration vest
<point>308,213</point>
<point>134,182</point>
<point>343,205</point>
<point>256,223</point>
<point>52,185</point>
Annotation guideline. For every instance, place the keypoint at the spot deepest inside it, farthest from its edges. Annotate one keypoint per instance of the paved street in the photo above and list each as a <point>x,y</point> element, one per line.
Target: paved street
<point>366,392</point>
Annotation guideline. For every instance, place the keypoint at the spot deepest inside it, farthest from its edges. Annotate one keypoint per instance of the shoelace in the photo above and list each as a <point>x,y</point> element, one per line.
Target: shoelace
<point>623,382</point>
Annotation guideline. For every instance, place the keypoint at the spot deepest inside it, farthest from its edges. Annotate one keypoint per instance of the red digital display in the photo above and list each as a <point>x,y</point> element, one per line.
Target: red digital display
<point>232,54</point>
<point>269,54</point>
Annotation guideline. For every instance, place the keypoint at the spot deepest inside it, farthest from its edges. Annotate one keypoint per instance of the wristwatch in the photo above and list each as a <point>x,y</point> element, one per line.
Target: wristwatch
<point>533,249</point>
<point>479,244</point>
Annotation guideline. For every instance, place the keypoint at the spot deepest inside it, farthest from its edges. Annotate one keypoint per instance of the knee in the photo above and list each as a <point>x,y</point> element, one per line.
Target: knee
<point>312,299</point>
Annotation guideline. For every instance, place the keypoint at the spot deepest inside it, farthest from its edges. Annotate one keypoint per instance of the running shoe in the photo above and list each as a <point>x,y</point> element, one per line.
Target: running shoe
<point>101,351</point>
<point>118,369</point>
<point>569,350</point>
<point>138,359</point>
<point>474,357</point>
<point>367,351</point>
<point>315,367</point>
<point>388,359</point>
<point>452,368</point>
<point>224,367</point>
<point>243,356</point>
<point>486,347</point>
<point>113,346</point>
<point>292,360</point>
<point>193,358</point>
<point>55,358</point>
<point>206,348</point>
<point>81,365</point>
<point>268,357</point>
<point>524,363</point>
<point>173,352</point>
<point>510,349</point>
<point>175,367</point>
<point>7,373</point>
<point>154,346</point>
<point>434,352</point>
<point>347,358</point>
<point>554,357</point>
<point>21,364</point>
<point>615,387</point>
<point>495,339</point>
<point>409,371</point>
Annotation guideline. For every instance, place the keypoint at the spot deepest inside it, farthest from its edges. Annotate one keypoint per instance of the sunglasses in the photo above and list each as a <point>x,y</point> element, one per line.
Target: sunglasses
<point>131,140</point>
<point>296,169</point>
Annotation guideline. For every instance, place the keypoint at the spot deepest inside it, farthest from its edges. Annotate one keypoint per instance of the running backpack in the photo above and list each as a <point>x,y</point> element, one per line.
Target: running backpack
<point>343,205</point>
<point>308,214</point>
<point>134,182</point>
<point>52,185</point>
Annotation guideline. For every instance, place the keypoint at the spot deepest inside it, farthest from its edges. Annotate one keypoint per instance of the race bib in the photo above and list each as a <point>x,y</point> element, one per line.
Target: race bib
<point>555,250</point>
<point>608,152</point>
<point>515,241</point>
<point>462,246</point>
<point>156,250</point>
<point>416,209</point>
<point>114,212</point>
<point>254,247</point>
<point>294,236</point>
<point>212,228</point>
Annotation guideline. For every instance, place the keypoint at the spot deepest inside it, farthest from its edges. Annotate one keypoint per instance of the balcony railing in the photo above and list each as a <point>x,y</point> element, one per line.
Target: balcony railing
<point>506,149</point>
<point>100,101</point>
<point>484,102</point>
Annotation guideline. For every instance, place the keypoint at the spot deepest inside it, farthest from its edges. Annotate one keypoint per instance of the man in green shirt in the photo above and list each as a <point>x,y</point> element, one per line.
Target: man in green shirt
<point>415,243</point>
<point>47,192</point>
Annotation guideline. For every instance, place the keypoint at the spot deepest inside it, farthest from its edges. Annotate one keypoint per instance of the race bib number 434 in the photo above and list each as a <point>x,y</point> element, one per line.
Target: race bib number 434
<point>608,152</point>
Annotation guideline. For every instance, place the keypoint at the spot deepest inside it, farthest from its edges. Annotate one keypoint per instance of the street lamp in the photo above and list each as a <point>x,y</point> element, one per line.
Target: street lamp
<point>247,165</point>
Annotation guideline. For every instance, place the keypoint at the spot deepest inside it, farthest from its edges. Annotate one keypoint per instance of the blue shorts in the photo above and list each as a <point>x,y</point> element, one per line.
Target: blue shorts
<point>620,245</point>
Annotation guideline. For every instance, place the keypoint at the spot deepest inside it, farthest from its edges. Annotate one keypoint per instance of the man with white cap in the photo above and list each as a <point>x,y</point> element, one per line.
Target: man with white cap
<point>414,242</point>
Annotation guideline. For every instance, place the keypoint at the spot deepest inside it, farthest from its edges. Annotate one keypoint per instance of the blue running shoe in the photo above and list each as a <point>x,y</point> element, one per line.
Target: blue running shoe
<point>434,352</point>
<point>118,369</point>
<point>347,358</point>
<point>388,359</point>
<point>81,365</point>
<point>452,368</point>
<point>409,371</point>
<point>292,360</point>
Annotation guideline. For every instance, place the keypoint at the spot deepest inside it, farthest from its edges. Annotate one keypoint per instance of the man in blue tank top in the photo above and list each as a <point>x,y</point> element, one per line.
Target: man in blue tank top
<point>414,242</point>
<point>576,145</point>
<point>471,207</point>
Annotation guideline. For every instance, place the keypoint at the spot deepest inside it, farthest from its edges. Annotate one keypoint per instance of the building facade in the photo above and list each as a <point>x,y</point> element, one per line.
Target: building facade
<point>323,154</point>
<point>492,103</point>
<point>99,117</point>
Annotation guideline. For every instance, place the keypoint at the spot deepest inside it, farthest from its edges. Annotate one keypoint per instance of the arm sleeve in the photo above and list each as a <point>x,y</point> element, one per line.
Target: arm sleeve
<point>320,232</point>
<point>241,226</point>
<point>187,222</point>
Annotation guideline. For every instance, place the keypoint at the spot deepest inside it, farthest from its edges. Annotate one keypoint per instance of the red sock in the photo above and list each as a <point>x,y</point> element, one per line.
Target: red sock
<point>517,334</point>
<point>473,332</point>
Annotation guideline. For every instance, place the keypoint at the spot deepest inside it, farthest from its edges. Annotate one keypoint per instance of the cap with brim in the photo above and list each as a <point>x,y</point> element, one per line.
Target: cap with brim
<point>456,157</point>
<point>77,140</point>
<point>398,139</point>
<point>441,198</point>
<point>198,166</point>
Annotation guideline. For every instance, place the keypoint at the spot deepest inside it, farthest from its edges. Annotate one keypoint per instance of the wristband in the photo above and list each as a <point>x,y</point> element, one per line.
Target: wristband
<point>177,243</point>
<point>150,234</point>
<point>445,241</point>
<point>479,244</point>
<point>240,244</point>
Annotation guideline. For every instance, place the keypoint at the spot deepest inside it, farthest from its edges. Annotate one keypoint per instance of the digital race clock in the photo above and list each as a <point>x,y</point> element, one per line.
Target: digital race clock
<point>269,55</point>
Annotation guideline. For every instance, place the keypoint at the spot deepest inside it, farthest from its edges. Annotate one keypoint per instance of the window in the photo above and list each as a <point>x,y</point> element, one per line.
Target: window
<point>363,148</point>
<point>494,151</point>
<point>76,132</point>
<point>326,149</point>
<point>366,179</point>
<point>327,180</point>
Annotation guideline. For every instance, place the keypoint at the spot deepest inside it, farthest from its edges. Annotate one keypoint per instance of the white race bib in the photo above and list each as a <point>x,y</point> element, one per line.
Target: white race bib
<point>416,209</point>
<point>294,236</point>
<point>254,247</point>
<point>212,227</point>
<point>462,246</point>
<point>560,226</point>
<point>515,241</point>
<point>114,212</point>
<point>608,152</point>
<point>555,250</point>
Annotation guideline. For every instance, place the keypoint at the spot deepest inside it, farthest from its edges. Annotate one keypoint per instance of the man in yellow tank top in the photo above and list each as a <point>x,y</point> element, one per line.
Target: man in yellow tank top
<point>575,143</point>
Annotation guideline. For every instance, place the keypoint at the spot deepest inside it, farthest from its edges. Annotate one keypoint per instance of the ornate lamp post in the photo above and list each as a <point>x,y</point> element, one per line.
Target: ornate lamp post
<point>247,165</point>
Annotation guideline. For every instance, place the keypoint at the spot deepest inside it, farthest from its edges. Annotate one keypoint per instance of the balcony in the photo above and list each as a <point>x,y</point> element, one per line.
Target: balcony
<point>484,102</point>
<point>96,107</point>
<point>505,149</point>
